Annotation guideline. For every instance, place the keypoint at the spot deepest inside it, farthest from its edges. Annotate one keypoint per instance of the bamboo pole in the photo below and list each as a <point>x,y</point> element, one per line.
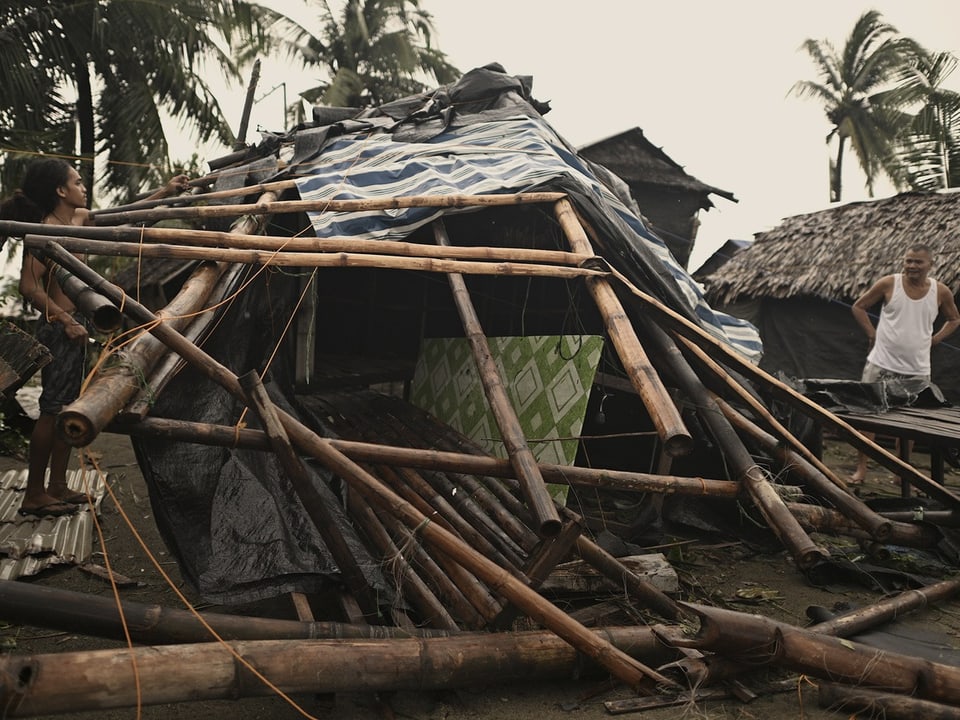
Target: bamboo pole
<point>81,421</point>
<point>208,434</point>
<point>313,259</point>
<point>762,412</point>
<point>298,206</point>
<point>276,186</point>
<point>724,354</point>
<point>152,624</point>
<point>620,665</point>
<point>70,682</point>
<point>784,525</point>
<point>821,519</point>
<point>303,244</point>
<point>104,315</point>
<point>878,527</point>
<point>758,640</point>
<point>313,501</point>
<point>861,702</point>
<point>406,580</point>
<point>674,436</point>
<point>535,492</point>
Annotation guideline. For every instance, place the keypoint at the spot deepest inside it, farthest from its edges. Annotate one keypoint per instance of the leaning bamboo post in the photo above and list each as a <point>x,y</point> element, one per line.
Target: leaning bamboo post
<point>314,503</point>
<point>768,502</point>
<point>724,354</point>
<point>300,206</point>
<point>673,434</point>
<point>70,682</point>
<point>81,421</point>
<point>191,237</point>
<point>618,663</point>
<point>762,412</point>
<point>541,504</point>
<point>443,461</point>
<point>152,624</point>
<point>878,527</point>
<point>759,640</point>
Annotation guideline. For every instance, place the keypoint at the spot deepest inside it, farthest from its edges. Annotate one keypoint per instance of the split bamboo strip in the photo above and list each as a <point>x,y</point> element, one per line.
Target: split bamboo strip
<point>319,206</point>
<point>878,527</point>
<point>324,520</point>
<point>305,244</point>
<point>408,584</point>
<point>674,436</point>
<point>97,616</point>
<point>724,354</point>
<point>207,434</point>
<point>313,259</point>
<point>860,702</point>
<point>70,682</point>
<point>542,507</point>
<point>618,663</point>
<point>114,384</point>
<point>759,640</point>
<point>805,552</point>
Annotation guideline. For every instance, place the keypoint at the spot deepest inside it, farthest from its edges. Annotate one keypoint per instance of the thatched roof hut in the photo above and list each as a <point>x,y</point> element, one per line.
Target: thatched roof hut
<point>669,198</point>
<point>797,281</point>
<point>838,253</point>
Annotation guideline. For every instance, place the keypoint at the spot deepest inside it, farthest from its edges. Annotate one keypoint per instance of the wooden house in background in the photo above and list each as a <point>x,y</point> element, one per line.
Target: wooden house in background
<point>669,199</point>
<point>796,282</point>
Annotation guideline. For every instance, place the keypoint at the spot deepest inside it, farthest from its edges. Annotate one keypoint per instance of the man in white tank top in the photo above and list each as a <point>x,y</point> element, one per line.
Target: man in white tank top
<point>900,344</point>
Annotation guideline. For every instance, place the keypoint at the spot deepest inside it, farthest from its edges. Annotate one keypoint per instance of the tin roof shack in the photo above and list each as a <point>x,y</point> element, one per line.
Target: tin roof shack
<point>669,199</point>
<point>796,282</point>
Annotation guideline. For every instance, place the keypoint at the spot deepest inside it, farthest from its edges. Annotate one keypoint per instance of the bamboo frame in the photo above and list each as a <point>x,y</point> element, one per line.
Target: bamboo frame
<point>620,665</point>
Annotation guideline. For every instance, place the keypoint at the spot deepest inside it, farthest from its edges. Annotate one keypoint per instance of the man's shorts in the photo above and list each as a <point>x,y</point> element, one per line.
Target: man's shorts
<point>61,378</point>
<point>874,374</point>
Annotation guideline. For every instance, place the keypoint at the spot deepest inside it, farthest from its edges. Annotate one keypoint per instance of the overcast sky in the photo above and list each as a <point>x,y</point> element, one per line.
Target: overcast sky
<point>708,82</point>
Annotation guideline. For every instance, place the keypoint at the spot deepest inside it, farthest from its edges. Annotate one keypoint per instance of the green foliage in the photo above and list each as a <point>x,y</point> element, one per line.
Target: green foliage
<point>882,94</point>
<point>126,62</point>
<point>372,52</point>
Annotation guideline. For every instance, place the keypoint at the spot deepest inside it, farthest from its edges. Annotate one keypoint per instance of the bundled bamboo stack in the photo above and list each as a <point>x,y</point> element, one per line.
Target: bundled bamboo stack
<point>468,538</point>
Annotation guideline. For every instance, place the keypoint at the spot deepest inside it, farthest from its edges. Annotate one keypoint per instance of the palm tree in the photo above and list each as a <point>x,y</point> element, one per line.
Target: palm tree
<point>862,103</point>
<point>373,52</point>
<point>929,152</point>
<point>94,78</point>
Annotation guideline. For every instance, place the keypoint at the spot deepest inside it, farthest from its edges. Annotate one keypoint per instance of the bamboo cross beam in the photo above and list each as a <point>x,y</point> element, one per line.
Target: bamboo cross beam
<point>277,186</point>
<point>65,234</point>
<point>726,355</point>
<point>535,491</point>
<point>666,418</point>
<point>445,461</point>
<point>626,669</point>
<point>312,259</point>
<point>300,206</point>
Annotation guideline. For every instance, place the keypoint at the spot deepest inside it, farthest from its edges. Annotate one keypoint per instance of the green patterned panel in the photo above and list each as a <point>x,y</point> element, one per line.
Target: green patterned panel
<point>548,381</point>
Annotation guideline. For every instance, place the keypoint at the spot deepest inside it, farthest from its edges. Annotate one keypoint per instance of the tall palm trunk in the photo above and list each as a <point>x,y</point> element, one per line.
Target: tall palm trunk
<point>85,124</point>
<point>836,172</point>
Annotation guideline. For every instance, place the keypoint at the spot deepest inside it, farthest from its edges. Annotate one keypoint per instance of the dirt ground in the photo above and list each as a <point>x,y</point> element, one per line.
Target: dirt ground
<point>724,571</point>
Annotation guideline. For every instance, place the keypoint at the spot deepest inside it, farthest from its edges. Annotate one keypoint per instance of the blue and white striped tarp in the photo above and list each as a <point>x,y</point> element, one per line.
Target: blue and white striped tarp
<point>483,158</point>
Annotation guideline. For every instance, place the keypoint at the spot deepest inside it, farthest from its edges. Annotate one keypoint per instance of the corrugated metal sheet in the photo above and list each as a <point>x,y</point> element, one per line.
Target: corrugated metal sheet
<point>30,544</point>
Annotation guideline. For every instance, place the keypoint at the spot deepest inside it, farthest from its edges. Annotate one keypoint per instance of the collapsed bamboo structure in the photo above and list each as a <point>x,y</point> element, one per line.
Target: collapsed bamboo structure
<point>423,534</point>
